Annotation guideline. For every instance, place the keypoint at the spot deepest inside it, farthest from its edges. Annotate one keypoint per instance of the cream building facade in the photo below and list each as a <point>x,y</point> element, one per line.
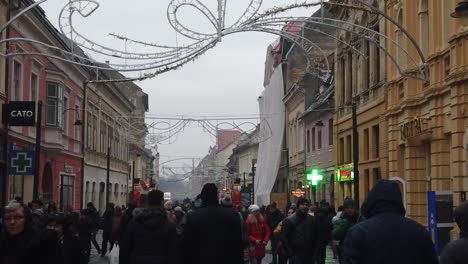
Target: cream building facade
<point>427,122</point>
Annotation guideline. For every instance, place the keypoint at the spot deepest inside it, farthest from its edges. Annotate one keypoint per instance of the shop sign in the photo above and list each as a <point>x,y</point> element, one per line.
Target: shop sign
<point>412,128</point>
<point>19,113</point>
<point>344,174</point>
<point>21,162</point>
<point>298,193</point>
<point>68,169</point>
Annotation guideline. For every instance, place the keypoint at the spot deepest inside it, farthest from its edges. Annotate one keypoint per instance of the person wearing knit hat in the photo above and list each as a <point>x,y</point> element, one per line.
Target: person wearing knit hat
<point>253,208</point>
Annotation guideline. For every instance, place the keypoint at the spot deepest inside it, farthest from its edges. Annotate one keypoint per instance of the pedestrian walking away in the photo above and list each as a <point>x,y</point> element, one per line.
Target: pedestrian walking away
<point>299,234</point>
<point>150,237</point>
<point>347,219</point>
<point>274,219</point>
<point>212,234</point>
<point>456,251</point>
<point>106,225</point>
<point>323,218</point>
<point>387,236</point>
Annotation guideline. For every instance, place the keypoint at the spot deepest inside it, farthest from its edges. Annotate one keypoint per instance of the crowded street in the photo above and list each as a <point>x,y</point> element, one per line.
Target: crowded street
<point>234,132</point>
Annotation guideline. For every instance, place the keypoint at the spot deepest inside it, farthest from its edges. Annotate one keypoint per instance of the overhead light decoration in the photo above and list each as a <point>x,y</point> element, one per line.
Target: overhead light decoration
<point>165,58</point>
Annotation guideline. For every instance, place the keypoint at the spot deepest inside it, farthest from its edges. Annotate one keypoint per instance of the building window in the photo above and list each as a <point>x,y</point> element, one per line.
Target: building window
<point>103,137</point>
<point>67,191</point>
<point>341,151</point>
<point>319,139</point>
<point>375,60</point>
<point>446,10</point>
<point>447,65</point>
<point>349,78</point>
<point>110,131</point>
<point>401,91</point>
<point>366,183</point>
<point>348,149</point>
<point>77,112</point>
<point>376,141</point>
<point>424,26</point>
<point>65,114</point>
<point>54,104</point>
<point>399,41</point>
<point>343,81</point>
<point>313,139</point>
<point>34,88</point>
<point>16,86</point>
<point>366,71</point>
<point>300,136</point>
<point>95,132</point>
<point>366,144</point>
<point>330,132</point>
<point>308,140</point>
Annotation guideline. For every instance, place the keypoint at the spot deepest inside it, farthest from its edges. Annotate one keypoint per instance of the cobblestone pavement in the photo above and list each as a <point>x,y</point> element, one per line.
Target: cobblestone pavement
<point>113,256</point>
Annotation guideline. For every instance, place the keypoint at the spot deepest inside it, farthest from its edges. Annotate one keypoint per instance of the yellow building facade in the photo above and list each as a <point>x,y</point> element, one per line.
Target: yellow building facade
<point>427,121</point>
<point>361,80</point>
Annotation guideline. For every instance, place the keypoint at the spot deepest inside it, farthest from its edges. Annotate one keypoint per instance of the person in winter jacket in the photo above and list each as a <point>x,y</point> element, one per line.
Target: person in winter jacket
<point>347,219</point>
<point>85,230</point>
<point>116,225</point>
<point>456,251</point>
<point>259,234</point>
<point>19,242</point>
<point>299,234</point>
<point>95,219</point>
<point>212,234</point>
<point>106,225</point>
<point>68,246</point>
<point>387,236</point>
<point>325,227</point>
<point>274,218</point>
<point>150,237</point>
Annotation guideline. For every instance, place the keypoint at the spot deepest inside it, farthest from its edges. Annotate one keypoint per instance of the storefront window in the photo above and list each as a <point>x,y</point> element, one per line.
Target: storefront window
<point>67,191</point>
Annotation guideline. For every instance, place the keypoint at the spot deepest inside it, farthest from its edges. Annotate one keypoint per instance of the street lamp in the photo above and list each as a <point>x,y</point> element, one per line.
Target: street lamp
<point>252,174</point>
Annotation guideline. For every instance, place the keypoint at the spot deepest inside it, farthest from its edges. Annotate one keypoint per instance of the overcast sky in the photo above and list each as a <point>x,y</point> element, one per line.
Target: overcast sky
<point>225,81</point>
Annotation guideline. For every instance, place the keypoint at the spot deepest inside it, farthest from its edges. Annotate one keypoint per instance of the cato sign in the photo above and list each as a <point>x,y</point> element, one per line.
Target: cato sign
<point>18,113</point>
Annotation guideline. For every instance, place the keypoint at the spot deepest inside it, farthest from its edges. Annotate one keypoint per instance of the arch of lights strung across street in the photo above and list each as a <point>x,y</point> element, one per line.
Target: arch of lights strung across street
<point>166,57</point>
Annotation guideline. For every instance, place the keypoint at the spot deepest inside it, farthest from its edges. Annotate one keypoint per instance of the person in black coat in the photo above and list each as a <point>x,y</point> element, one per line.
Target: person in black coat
<point>95,219</point>
<point>150,237</point>
<point>212,233</point>
<point>106,226</point>
<point>68,247</point>
<point>456,251</point>
<point>387,236</point>
<point>274,217</point>
<point>299,235</point>
<point>85,231</point>
<point>324,227</point>
<point>20,243</point>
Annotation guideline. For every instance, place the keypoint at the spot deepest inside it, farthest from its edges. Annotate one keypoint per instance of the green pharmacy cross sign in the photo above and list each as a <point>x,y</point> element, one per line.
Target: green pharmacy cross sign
<point>314,177</point>
<point>21,163</point>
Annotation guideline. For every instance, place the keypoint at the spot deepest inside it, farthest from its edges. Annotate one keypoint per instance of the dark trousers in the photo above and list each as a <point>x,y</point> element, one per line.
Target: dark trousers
<point>339,249</point>
<point>274,245</point>
<point>105,241</point>
<point>282,259</point>
<point>86,246</point>
<point>321,253</point>
<point>94,241</point>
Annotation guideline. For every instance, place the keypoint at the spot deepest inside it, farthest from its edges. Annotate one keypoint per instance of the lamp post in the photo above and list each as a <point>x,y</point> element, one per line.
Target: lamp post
<point>254,168</point>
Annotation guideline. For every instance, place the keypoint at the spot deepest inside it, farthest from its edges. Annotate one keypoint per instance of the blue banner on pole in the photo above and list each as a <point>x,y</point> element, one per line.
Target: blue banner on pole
<point>21,163</point>
<point>432,221</point>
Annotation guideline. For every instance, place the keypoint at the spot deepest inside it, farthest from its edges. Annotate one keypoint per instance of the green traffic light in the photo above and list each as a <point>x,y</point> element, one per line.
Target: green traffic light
<point>314,177</point>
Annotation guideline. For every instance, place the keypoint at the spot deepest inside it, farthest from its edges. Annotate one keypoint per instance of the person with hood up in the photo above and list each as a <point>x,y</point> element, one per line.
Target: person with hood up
<point>387,236</point>
<point>150,237</point>
<point>456,251</point>
<point>212,234</point>
<point>299,234</point>
<point>180,219</point>
<point>227,203</point>
<point>259,234</point>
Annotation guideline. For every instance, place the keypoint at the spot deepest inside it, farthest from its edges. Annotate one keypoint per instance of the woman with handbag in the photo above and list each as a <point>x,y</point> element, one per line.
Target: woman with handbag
<point>259,234</point>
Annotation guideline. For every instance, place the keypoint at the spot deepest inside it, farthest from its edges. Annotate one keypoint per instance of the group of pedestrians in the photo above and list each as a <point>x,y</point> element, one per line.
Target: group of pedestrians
<point>44,235</point>
<point>213,231</point>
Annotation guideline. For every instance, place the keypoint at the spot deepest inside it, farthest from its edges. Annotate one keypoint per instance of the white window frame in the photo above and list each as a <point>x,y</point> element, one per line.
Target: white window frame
<point>16,92</point>
<point>65,114</point>
<point>58,99</point>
